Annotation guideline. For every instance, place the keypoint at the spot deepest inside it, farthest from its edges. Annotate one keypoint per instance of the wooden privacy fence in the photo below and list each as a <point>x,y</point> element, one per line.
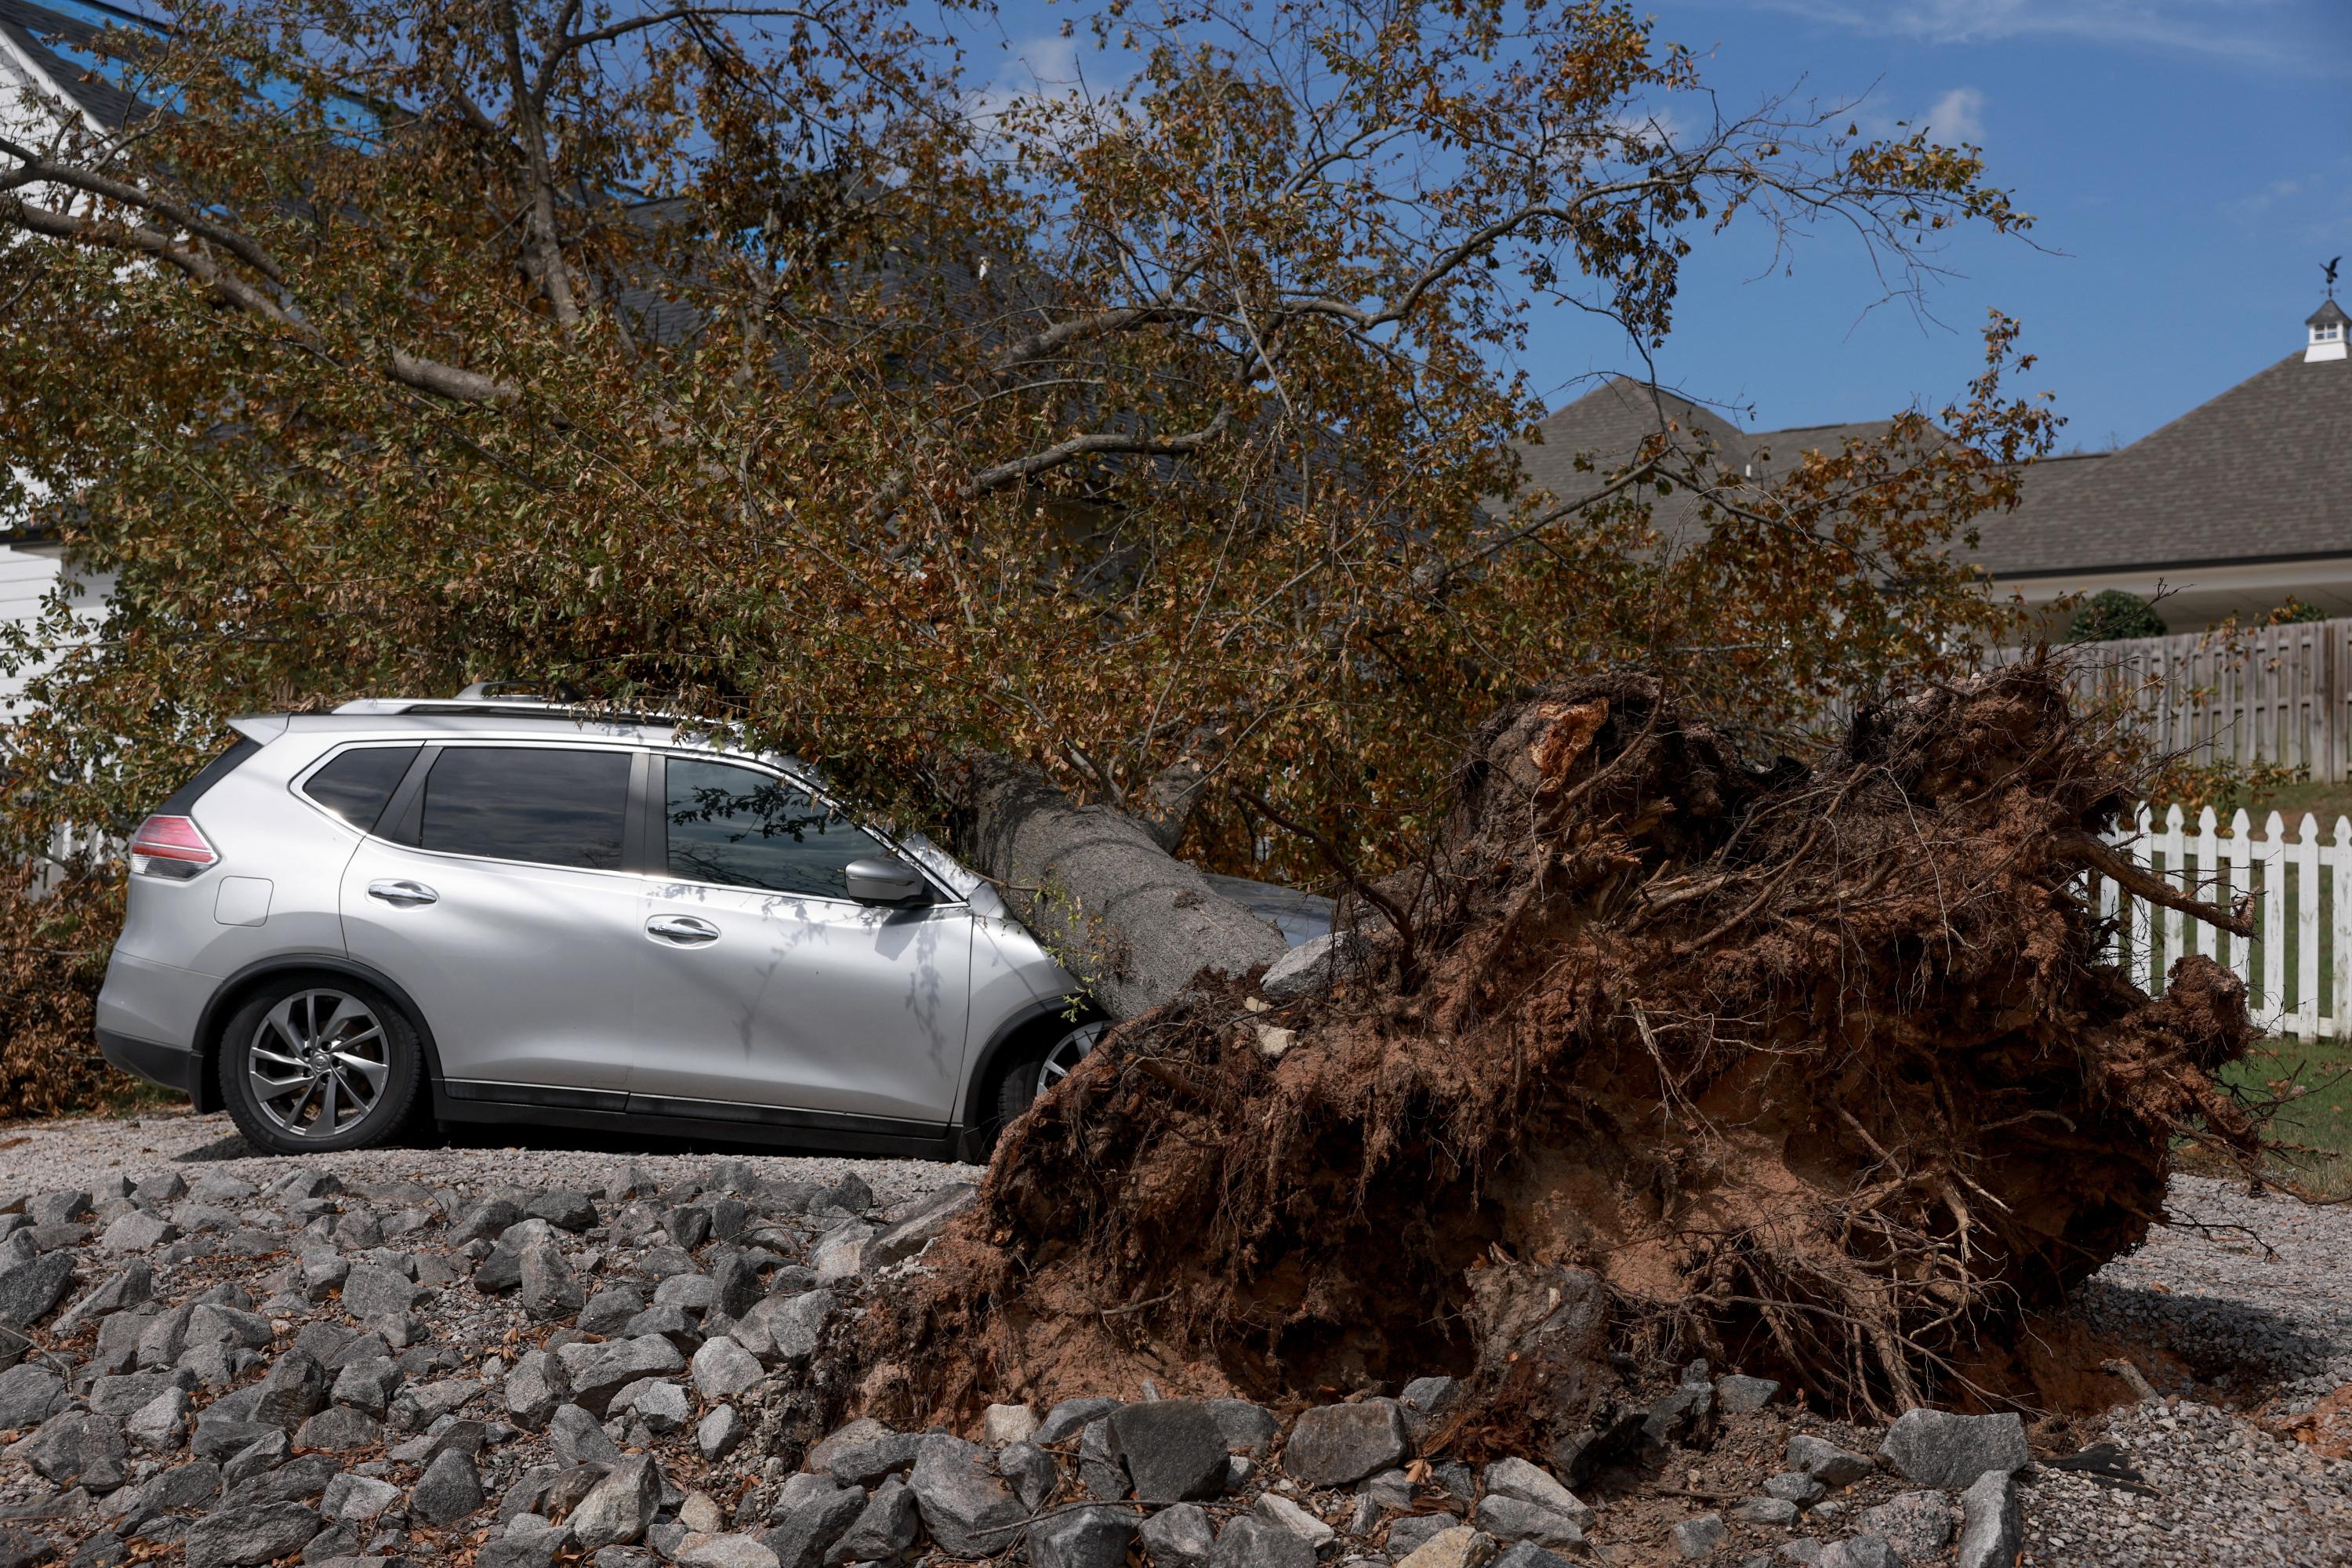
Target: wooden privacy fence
<point>2297,966</point>
<point>2271,694</point>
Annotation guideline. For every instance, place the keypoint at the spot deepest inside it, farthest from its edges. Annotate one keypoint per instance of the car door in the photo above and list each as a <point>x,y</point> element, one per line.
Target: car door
<point>496,891</point>
<point>776,988</point>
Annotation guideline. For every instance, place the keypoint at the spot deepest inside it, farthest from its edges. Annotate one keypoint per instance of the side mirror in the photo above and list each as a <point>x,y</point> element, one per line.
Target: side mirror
<point>881,879</point>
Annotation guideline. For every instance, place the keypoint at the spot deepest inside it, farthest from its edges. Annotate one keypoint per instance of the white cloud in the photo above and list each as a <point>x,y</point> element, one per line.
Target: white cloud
<point>2267,32</point>
<point>1956,117</point>
<point>1044,66</point>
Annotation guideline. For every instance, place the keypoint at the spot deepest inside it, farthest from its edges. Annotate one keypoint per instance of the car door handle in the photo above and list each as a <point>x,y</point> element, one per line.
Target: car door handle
<point>404,894</point>
<point>681,931</point>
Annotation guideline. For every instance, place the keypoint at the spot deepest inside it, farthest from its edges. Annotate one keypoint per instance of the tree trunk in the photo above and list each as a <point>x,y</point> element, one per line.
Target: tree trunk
<point>1097,887</point>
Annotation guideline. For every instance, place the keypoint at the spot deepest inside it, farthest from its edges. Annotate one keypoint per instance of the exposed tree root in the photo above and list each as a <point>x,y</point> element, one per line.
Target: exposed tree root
<point>1813,1072</point>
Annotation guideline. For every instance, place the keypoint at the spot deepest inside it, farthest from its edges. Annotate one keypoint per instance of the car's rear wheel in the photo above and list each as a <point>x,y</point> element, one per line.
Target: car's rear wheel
<point>1034,1072</point>
<point>319,1063</point>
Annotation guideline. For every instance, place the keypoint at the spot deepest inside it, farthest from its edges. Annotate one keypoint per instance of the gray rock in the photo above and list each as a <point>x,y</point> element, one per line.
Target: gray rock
<point>610,1308</point>
<point>1091,1537</point>
<point>808,1521</point>
<point>376,1294</point>
<point>1278,1508</point>
<point>535,1545</point>
<point>549,1289</point>
<point>1068,1418</point>
<point>449,1490</point>
<point>75,1447</point>
<point>351,1498</point>
<point>722,1551</point>
<point>850,1193</point>
<point>1179,1537</point>
<point>886,1526</point>
<point>1515,1518</point>
<point>1825,1461</point>
<point>293,1390</point>
<point>218,1323</point>
<point>1250,1541</point>
<point>136,1232</point>
<point>419,1405</point>
<point>133,1285</point>
<point>486,1221</point>
<point>161,1424</point>
<point>618,1509</point>
<point>1099,1472</point>
<point>1696,1538</point>
<point>30,1393</point>
<point>579,1438</point>
<point>966,1505</point>
<point>1861,1552</point>
<point>1251,1428</point>
<point>1918,1525</point>
<point>1937,1448</point>
<point>660,1405</point>
<point>30,1289</point>
<point>598,1372</point>
<point>366,1384</point>
<point>503,1270</point>
<point>1527,1554</point>
<point>1992,1522</point>
<point>258,1458</point>
<point>1031,1470</point>
<point>240,1537</point>
<point>862,1464</point>
<point>1532,1483</point>
<point>1307,968</point>
<point>718,1433</point>
<point>534,1386</point>
<point>1333,1445</point>
<point>1766,1510</point>
<point>1415,1530</point>
<point>1687,1415</point>
<point>564,1210</point>
<point>57,1208</point>
<point>695,1293</point>
<point>897,1243</point>
<point>840,1253</point>
<point>339,1429</point>
<point>723,1369</point>
<point>1793,1486</point>
<point>1738,1395</point>
<point>1173,1450</point>
<point>1431,1395</point>
<point>735,1284</point>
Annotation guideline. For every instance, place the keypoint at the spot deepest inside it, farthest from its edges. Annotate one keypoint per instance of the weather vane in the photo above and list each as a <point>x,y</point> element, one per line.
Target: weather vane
<point>2329,268</point>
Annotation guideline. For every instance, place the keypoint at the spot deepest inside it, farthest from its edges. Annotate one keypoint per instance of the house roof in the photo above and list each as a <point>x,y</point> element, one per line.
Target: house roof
<point>2255,474</point>
<point>1608,424</point>
<point>60,41</point>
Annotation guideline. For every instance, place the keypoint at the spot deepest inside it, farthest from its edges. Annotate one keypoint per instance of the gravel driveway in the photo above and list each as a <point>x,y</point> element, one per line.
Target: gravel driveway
<point>2241,1312</point>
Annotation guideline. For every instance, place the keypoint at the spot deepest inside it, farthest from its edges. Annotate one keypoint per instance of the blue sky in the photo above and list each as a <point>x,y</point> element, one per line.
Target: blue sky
<point>2190,163</point>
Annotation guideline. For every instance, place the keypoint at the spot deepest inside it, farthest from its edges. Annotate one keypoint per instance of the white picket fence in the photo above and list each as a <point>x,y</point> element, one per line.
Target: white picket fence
<point>2298,964</point>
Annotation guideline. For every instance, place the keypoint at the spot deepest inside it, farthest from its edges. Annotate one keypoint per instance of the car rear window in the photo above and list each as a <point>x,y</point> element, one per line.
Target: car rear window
<point>187,795</point>
<point>555,806</point>
<point>743,828</point>
<point>356,783</point>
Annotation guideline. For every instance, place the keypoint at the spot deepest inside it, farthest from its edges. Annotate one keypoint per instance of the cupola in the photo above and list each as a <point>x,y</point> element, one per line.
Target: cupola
<point>2328,326</point>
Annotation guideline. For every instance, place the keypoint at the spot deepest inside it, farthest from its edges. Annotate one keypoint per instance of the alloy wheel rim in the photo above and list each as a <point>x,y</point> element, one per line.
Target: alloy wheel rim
<point>318,1063</point>
<point>1067,1053</point>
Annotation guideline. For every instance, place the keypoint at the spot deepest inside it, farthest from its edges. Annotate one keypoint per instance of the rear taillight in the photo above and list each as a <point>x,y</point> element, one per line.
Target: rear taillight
<point>170,847</point>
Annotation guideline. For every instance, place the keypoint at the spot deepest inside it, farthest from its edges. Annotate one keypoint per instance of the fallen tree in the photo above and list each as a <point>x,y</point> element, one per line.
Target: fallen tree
<point>1816,1071</point>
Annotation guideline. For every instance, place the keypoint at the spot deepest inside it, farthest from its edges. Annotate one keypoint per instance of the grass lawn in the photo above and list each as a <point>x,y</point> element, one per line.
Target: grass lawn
<point>2325,800</point>
<point>2315,1129</point>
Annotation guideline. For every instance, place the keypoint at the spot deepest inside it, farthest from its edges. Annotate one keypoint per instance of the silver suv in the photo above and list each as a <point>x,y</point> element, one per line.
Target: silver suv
<point>519,912</point>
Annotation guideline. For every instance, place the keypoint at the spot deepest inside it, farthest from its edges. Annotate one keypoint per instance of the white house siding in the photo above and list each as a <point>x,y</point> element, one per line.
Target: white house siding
<point>28,573</point>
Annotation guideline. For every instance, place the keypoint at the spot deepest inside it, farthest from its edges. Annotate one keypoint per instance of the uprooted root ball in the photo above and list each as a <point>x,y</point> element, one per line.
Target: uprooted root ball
<point>1817,1071</point>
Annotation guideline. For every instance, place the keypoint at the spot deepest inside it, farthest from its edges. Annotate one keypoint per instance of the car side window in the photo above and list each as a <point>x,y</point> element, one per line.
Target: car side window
<point>356,784</point>
<point>552,805</point>
<point>744,828</point>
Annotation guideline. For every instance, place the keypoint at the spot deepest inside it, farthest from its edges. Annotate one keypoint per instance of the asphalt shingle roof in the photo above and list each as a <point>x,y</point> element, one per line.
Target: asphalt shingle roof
<point>2255,474</point>
<point>64,45</point>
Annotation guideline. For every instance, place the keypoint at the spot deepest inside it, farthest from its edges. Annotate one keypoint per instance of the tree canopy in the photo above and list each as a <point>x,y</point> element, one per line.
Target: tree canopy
<point>749,360</point>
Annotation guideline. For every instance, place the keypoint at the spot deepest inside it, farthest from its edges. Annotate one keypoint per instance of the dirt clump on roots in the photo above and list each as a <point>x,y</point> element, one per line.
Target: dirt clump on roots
<point>1817,1072</point>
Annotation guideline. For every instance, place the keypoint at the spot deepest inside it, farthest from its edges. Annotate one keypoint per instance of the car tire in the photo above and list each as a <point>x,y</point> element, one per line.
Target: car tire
<point>315,1063</point>
<point>1033,1072</point>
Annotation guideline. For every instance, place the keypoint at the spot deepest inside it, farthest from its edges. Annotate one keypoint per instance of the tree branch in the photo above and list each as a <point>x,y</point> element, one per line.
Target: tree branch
<point>34,168</point>
<point>1019,468</point>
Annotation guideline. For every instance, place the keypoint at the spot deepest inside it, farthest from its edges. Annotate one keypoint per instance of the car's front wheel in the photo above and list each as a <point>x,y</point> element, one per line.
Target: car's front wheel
<point>1033,1074</point>
<point>317,1064</point>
